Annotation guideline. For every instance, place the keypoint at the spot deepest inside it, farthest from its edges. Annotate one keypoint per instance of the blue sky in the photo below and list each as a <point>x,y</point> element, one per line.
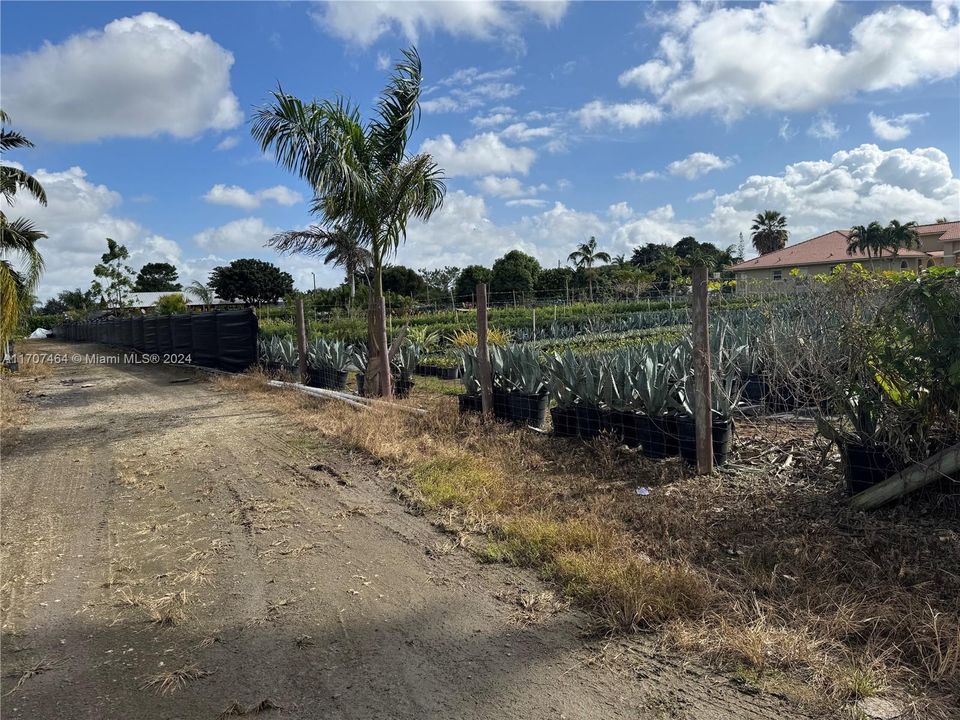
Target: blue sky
<point>634,122</point>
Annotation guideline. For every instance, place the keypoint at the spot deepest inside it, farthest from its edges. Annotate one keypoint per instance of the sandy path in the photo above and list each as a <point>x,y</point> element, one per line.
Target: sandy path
<point>305,583</point>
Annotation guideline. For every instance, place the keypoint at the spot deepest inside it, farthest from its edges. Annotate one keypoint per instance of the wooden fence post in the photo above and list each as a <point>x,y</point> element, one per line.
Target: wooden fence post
<point>703,419</point>
<point>483,353</point>
<point>302,340</point>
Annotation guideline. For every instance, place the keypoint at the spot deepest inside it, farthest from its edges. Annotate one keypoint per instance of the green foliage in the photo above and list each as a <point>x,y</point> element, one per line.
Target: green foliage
<point>172,304</point>
<point>116,275</point>
<point>514,272</point>
<point>157,277</point>
<point>467,282</point>
<point>252,281</point>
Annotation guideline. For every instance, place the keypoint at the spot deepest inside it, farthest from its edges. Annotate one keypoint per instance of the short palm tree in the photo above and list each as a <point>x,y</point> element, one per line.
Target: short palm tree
<point>338,247</point>
<point>869,240</point>
<point>202,292</point>
<point>585,256</point>
<point>769,232</point>
<point>363,179</point>
<point>21,263</point>
<point>670,264</point>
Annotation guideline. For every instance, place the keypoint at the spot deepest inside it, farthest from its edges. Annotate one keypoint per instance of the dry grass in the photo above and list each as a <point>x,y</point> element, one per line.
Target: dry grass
<point>236,709</point>
<point>167,683</point>
<point>169,609</point>
<point>37,668</point>
<point>763,572</point>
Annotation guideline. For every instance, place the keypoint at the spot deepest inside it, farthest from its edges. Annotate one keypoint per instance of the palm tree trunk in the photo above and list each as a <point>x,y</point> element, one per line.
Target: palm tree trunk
<point>378,380</point>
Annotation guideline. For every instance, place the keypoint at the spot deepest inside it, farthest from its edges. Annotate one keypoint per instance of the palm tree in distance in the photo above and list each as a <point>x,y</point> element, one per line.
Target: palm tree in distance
<point>202,292</point>
<point>338,247</point>
<point>363,179</point>
<point>901,236</point>
<point>769,231</point>
<point>585,256</point>
<point>869,240</point>
<point>21,263</point>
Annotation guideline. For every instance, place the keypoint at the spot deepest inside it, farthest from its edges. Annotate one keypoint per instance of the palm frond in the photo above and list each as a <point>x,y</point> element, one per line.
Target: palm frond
<point>398,110</point>
<point>19,238</point>
<point>13,179</point>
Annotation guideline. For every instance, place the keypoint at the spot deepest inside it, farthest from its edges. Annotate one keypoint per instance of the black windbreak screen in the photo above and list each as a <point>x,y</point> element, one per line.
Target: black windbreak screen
<point>237,331</point>
<point>150,334</point>
<point>164,336</point>
<point>182,334</point>
<point>206,348</point>
<point>224,340</point>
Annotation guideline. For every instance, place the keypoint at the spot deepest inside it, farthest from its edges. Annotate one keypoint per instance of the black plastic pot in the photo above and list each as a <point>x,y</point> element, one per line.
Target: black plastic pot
<point>866,465</point>
<point>470,403</point>
<point>591,421</point>
<point>527,409</point>
<point>687,439</point>
<point>564,421</point>
<point>402,387</point>
<point>626,426</point>
<point>328,378</point>
<point>657,436</point>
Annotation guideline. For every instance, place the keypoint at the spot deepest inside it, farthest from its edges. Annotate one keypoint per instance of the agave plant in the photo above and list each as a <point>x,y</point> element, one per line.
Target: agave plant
<point>359,357</point>
<point>724,396</point>
<point>470,370</point>
<point>406,359</point>
<point>653,383</point>
<point>332,354</point>
<point>564,378</point>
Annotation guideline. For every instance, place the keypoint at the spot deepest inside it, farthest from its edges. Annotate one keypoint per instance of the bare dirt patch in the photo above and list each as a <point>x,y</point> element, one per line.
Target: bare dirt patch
<point>171,549</point>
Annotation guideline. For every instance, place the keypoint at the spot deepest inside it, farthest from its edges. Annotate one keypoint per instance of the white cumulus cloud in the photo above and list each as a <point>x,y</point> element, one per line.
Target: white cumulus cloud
<point>484,154</point>
<point>698,164</point>
<point>137,77</point>
<point>249,234</point>
<point>236,196</point>
<point>620,115</point>
<point>793,56</point>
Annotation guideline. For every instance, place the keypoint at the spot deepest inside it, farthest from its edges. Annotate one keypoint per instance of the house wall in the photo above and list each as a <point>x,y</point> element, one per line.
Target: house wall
<point>762,279</point>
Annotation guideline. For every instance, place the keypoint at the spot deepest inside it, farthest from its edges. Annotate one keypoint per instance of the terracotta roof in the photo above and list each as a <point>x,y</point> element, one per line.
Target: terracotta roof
<point>832,248</point>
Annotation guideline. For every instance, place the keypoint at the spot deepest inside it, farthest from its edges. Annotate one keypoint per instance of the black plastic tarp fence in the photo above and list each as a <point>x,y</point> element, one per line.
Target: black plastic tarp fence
<point>225,340</point>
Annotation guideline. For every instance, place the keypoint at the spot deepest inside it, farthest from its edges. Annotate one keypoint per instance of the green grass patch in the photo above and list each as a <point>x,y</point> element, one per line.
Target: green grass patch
<point>465,482</point>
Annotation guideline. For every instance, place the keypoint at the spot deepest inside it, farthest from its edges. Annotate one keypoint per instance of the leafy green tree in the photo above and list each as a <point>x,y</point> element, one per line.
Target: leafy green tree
<point>402,280</point>
<point>585,256</point>
<point>467,282</point>
<point>769,232</point>
<point>69,301</point>
<point>647,256</point>
<point>554,283</point>
<point>172,304</point>
<point>116,275</point>
<point>21,263</point>
<point>157,277</point>
<point>363,179</point>
<point>254,282</point>
<point>441,281</point>
<point>515,272</point>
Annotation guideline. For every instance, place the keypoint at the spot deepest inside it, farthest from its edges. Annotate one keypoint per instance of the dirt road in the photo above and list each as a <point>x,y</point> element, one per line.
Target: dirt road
<point>158,530</point>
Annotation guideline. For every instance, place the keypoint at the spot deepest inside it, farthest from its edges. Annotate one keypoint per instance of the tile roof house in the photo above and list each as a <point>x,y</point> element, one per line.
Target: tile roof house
<point>939,245</point>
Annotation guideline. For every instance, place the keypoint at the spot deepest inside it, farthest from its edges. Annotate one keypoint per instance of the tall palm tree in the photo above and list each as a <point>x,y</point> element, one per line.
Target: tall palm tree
<point>769,231</point>
<point>901,236</point>
<point>585,256</point>
<point>363,179</point>
<point>670,264</point>
<point>869,240</point>
<point>21,263</point>
<point>338,247</point>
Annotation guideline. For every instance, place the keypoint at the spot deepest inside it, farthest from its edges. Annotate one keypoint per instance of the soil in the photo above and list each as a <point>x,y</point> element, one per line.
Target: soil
<point>154,524</point>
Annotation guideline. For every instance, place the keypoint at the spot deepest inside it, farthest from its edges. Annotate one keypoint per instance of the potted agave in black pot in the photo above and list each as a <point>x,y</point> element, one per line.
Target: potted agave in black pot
<point>519,385</point>
<point>469,400</point>
<point>724,398</point>
<point>563,378</point>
